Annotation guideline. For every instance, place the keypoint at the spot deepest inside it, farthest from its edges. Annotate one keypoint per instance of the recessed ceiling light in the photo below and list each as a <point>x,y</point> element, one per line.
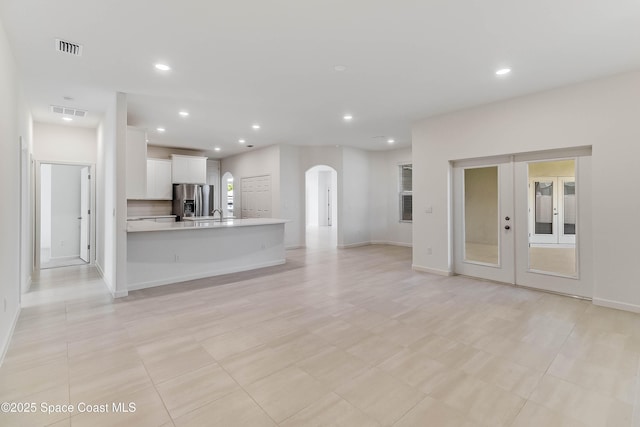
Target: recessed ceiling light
<point>184,113</point>
<point>162,67</point>
<point>347,117</point>
<point>391,141</point>
<point>241,141</point>
<point>67,119</point>
<point>256,126</point>
<point>217,149</point>
<point>340,68</point>
<point>160,129</point>
<point>503,71</point>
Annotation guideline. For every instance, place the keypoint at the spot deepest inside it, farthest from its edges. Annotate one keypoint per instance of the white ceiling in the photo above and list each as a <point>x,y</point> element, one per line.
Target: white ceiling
<point>235,63</point>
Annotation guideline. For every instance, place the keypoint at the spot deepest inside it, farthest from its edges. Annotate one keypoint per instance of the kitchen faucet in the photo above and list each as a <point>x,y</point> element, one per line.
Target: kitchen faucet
<point>213,212</point>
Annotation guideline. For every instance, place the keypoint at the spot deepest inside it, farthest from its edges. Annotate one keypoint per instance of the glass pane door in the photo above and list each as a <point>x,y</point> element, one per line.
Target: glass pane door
<point>543,211</point>
<point>483,217</point>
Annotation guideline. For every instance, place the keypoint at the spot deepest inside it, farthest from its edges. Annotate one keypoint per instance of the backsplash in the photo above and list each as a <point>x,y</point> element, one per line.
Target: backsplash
<point>148,207</point>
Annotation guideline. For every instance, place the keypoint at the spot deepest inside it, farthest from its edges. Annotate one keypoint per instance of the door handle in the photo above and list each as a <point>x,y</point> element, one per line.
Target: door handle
<point>506,227</point>
<point>506,218</point>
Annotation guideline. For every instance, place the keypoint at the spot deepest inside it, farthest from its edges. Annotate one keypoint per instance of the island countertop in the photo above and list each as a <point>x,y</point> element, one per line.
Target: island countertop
<point>146,226</point>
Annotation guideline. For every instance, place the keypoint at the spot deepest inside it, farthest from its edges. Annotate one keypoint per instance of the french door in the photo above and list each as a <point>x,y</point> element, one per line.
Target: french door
<point>513,224</point>
<point>552,210</point>
<point>484,220</point>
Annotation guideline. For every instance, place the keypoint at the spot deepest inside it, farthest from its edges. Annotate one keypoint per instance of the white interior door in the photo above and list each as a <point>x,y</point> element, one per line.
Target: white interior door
<point>85,203</point>
<point>484,220</point>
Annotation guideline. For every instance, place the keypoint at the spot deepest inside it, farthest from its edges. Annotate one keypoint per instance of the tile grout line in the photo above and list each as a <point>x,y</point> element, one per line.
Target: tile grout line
<point>245,391</point>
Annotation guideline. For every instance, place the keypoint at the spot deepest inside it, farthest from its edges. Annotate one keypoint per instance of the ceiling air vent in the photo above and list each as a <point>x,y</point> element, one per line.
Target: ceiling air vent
<point>71,112</point>
<point>68,47</point>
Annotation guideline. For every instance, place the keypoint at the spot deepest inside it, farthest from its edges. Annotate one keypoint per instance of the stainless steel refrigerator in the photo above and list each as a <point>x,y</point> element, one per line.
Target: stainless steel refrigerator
<point>192,200</point>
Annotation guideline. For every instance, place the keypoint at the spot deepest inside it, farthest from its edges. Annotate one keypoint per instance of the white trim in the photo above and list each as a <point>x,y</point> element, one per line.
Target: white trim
<point>287,248</point>
<point>5,345</point>
<point>119,294</point>
<point>99,268</point>
<point>634,308</point>
<point>388,242</point>
<point>431,270</point>
<point>213,273</point>
<point>354,245</point>
<point>67,258</point>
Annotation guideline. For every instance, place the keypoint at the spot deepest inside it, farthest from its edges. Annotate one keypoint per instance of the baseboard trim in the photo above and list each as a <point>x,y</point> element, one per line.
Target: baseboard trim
<point>634,308</point>
<point>119,294</point>
<point>288,248</point>
<point>5,345</point>
<point>387,242</point>
<point>99,268</point>
<point>354,245</point>
<point>431,270</point>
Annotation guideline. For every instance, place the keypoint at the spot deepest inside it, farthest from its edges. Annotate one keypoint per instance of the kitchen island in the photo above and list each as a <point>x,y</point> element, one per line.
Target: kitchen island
<point>162,253</point>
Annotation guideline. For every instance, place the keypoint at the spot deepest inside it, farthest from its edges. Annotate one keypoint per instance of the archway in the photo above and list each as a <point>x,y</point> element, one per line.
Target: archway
<point>321,203</point>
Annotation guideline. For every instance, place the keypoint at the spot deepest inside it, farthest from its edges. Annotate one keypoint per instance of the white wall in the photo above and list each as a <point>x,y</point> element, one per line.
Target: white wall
<point>602,114</point>
<point>15,124</point>
<point>65,209</point>
<point>265,161</point>
<point>45,206</point>
<point>354,220</point>
<point>63,143</point>
<point>311,191</point>
<point>385,200</point>
<point>111,201</point>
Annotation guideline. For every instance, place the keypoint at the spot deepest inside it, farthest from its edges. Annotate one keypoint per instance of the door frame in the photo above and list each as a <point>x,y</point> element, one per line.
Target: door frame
<point>36,207</point>
<point>584,251</point>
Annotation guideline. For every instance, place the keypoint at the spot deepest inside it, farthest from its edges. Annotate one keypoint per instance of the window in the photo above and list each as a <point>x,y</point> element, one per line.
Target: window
<point>406,196</point>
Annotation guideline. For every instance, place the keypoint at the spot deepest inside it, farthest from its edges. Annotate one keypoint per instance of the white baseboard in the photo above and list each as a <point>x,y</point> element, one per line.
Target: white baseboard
<point>5,345</point>
<point>66,257</point>
<point>293,247</point>
<point>431,270</point>
<point>174,280</point>
<point>354,245</point>
<point>634,308</point>
<point>99,268</point>
<point>387,242</point>
<point>119,294</point>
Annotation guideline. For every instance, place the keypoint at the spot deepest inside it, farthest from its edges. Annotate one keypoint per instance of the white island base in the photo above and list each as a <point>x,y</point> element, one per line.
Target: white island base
<point>161,254</point>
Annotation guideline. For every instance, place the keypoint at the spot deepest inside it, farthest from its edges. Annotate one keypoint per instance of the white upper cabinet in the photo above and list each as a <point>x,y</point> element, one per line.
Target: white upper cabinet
<point>136,163</point>
<point>159,185</point>
<point>188,169</point>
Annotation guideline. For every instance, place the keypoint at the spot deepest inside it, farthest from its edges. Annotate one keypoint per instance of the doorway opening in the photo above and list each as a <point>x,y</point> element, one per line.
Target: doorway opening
<point>227,195</point>
<point>64,215</point>
<point>321,203</point>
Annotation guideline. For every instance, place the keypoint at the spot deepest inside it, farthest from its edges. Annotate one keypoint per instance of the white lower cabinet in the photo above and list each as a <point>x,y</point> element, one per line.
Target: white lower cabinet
<point>159,186</point>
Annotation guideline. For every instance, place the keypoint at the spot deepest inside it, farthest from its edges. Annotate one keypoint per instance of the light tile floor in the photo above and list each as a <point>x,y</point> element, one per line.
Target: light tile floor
<point>333,337</point>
